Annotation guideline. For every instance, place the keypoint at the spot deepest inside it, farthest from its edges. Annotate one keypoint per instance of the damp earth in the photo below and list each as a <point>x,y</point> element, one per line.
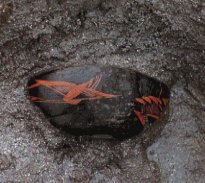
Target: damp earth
<point>161,40</point>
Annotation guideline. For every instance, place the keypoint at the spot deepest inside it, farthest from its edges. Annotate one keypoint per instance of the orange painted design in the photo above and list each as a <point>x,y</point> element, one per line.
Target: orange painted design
<point>152,107</point>
<point>140,100</point>
<point>76,91</point>
<point>153,116</point>
<point>70,91</point>
<point>147,99</point>
<point>140,116</point>
<point>154,99</point>
<point>159,100</point>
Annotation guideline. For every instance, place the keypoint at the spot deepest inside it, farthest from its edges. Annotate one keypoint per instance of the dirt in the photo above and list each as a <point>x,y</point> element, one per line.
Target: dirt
<point>164,40</point>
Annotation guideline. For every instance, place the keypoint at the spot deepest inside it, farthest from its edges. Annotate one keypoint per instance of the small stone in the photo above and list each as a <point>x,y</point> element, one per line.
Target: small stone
<point>103,100</point>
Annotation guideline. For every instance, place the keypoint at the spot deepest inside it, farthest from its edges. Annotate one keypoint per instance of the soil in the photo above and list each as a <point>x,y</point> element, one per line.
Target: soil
<point>161,39</point>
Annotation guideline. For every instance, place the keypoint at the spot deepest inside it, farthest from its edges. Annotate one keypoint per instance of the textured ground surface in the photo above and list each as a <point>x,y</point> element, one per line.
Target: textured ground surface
<point>163,39</point>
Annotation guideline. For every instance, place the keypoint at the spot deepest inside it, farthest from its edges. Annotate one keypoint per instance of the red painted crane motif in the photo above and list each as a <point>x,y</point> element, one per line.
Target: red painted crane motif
<point>71,91</point>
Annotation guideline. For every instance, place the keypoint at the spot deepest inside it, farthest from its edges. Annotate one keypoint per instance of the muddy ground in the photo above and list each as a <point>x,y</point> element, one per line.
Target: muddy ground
<point>162,39</point>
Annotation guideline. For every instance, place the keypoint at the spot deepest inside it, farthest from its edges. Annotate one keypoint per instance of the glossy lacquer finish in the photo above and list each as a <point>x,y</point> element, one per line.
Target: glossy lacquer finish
<point>93,100</point>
